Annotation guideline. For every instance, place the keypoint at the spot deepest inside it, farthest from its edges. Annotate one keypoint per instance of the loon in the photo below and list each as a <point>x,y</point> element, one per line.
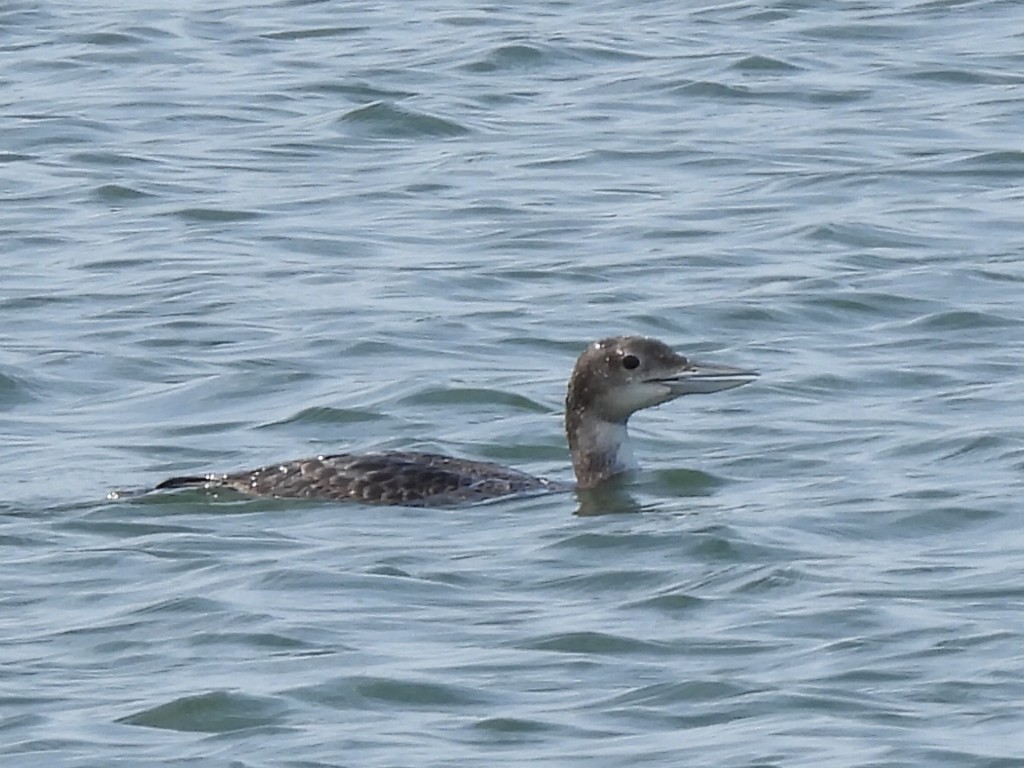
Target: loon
<point>613,378</point>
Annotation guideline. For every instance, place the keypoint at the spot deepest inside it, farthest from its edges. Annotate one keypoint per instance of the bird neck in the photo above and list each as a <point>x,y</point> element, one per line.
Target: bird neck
<point>600,448</point>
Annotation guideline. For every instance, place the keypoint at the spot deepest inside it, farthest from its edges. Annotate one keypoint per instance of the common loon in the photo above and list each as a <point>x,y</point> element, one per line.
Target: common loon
<point>613,378</point>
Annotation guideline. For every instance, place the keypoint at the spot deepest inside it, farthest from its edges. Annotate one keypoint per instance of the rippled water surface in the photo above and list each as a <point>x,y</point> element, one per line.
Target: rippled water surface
<point>234,234</point>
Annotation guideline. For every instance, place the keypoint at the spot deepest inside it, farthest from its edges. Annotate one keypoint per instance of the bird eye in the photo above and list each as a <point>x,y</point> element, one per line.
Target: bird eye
<point>629,362</point>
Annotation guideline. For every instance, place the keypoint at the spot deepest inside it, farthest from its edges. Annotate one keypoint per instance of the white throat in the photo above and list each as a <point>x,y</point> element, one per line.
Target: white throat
<point>611,439</point>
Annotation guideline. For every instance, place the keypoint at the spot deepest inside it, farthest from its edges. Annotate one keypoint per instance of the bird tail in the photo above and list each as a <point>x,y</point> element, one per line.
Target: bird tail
<point>185,481</point>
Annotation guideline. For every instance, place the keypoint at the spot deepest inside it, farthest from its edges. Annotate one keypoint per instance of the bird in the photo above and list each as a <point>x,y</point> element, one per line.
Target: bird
<point>613,378</point>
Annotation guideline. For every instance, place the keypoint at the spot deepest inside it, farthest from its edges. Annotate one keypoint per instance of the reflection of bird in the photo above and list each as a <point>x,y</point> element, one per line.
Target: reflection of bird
<point>613,378</point>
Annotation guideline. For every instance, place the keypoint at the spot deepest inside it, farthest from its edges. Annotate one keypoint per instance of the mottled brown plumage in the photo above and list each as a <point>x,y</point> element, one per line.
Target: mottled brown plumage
<point>408,479</point>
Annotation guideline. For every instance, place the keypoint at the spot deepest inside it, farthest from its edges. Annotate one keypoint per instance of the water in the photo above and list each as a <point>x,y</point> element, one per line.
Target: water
<point>237,234</point>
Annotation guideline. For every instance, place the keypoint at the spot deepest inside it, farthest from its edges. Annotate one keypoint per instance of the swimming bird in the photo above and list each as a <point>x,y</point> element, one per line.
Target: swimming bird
<point>613,378</point>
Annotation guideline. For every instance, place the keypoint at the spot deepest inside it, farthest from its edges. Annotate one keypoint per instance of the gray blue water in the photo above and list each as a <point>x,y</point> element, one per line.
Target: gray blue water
<point>232,234</point>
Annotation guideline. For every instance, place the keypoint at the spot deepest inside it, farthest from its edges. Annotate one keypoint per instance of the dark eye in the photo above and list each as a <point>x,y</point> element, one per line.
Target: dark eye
<point>629,362</point>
